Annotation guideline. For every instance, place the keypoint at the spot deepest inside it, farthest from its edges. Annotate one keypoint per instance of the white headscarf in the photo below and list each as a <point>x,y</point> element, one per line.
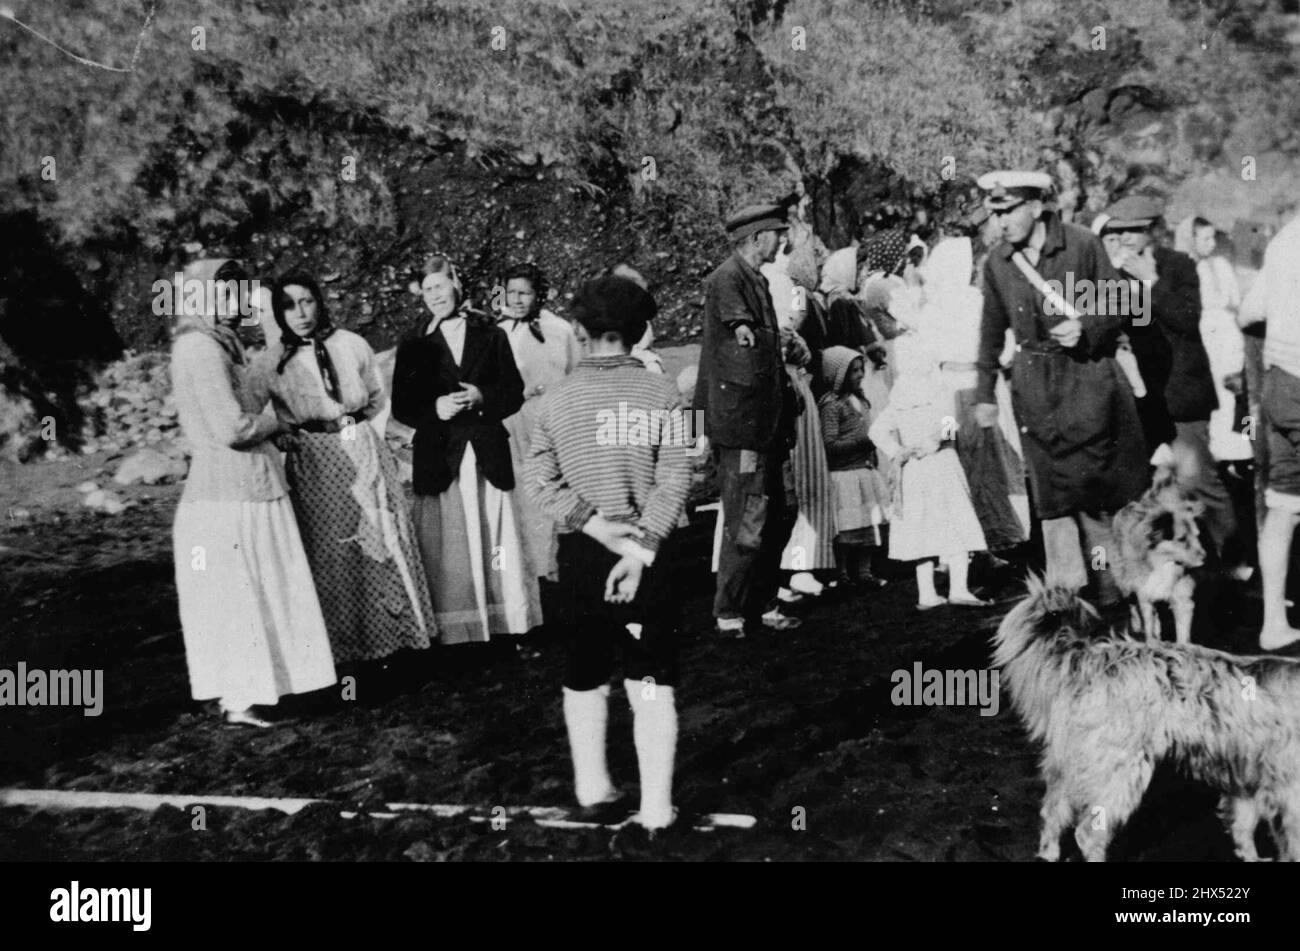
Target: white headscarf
<point>781,288</point>
<point>950,315</point>
<point>840,272</point>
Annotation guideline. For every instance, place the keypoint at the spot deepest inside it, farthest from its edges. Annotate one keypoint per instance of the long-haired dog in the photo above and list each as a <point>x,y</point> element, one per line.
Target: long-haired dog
<point>1156,541</point>
<point>1109,709</point>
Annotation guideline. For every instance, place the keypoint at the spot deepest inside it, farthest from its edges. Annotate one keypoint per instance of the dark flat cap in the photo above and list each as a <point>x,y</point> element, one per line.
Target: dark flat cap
<point>1135,211</point>
<point>1007,188</point>
<point>754,218</point>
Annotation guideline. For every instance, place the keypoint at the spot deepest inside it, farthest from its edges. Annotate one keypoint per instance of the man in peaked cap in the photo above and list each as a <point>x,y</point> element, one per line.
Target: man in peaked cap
<point>1170,352</point>
<point>748,408</point>
<point>1079,427</point>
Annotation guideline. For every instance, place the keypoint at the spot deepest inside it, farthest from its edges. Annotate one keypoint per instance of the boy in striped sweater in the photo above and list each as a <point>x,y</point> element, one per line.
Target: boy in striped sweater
<point>610,462</point>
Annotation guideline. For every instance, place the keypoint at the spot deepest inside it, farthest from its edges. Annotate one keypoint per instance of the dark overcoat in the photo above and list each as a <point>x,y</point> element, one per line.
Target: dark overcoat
<point>425,370</point>
<point>743,392</point>
<point>1083,443</point>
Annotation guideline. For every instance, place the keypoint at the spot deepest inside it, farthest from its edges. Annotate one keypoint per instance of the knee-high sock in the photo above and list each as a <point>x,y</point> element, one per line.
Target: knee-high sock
<point>586,715</point>
<point>654,728</point>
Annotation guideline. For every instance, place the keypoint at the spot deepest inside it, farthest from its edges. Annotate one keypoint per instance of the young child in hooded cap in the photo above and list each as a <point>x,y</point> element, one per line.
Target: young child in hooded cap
<point>860,493</point>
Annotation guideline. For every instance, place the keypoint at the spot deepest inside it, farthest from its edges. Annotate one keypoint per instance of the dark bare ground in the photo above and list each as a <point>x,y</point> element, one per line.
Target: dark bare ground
<point>774,724</point>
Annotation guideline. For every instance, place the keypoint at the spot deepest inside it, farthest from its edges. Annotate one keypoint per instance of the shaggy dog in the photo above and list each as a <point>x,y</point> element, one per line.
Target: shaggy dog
<point>1108,709</point>
<point>1156,541</point>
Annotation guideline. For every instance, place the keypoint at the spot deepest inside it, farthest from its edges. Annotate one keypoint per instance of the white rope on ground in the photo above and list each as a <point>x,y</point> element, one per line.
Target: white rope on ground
<point>548,816</point>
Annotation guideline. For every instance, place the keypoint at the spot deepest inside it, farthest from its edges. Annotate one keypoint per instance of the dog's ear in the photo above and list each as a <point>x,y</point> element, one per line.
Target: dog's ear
<point>1162,478</point>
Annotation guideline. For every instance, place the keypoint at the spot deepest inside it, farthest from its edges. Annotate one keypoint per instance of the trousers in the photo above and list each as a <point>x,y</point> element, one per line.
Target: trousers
<point>759,511</point>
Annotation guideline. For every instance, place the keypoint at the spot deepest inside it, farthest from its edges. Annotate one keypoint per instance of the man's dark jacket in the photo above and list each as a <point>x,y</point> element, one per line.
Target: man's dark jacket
<point>744,392</point>
<point>1169,348</point>
<point>1082,440</point>
<point>425,370</point>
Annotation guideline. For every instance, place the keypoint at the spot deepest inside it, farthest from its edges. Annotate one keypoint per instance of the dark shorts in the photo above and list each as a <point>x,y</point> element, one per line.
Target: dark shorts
<point>1280,405</point>
<point>595,632</point>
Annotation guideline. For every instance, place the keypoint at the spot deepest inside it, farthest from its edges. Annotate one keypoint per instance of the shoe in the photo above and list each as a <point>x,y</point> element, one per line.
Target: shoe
<point>246,718</point>
<point>931,605</point>
<point>657,831</point>
<point>731,627</point>
<point>970,602</point>
<point>871,582</point>
<point>802,582</point>
<point>777,621</point>
<point>613,811</point>
<point>788,596</point>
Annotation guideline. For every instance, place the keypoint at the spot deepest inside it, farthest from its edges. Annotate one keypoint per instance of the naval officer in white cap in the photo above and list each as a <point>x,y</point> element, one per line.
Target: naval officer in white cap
<point>1079,426</point>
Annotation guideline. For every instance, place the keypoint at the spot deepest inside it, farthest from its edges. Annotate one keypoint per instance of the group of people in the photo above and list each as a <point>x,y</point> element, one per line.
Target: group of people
<point>887,400</point>
<point>905,391</point>
<point>296,549</point>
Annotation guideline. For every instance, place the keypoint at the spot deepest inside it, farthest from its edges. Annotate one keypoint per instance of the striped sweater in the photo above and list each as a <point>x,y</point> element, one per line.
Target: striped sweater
<point>612,438</point>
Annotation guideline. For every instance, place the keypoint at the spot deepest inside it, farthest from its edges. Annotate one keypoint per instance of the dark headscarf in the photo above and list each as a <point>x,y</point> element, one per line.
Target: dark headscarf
<point>291,341</point>
<point>883,251</point>
<point>534,276</point>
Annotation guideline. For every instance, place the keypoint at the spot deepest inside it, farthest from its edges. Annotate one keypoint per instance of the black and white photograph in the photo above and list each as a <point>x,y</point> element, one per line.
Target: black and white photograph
<point>683,431</point>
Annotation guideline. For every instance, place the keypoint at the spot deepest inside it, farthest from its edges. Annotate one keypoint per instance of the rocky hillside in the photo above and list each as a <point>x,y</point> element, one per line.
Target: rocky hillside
<point>355,137</point>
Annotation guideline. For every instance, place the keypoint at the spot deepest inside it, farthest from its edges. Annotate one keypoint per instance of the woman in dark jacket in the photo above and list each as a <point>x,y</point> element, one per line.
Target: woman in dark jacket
<point>454,384</point>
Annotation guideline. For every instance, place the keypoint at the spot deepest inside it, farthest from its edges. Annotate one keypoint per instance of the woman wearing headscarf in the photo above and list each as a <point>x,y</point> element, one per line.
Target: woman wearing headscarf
<point>949,321</point>
<point>847,326</point>
<point>250,617</point>
<point>545,351</point>
<point>324,384</point>
<point>454,385</point>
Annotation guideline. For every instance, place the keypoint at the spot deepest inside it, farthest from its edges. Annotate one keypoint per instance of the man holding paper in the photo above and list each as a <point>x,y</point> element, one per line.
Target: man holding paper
<point>1082,439</point>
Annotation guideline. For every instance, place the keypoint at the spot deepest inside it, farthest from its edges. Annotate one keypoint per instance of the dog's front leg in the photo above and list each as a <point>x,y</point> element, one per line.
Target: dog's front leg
<point>1057,816</point>
<point>1093,841</point>
<point>1183,602</point>
<point>1241,815</point>
<point>1150,620</point>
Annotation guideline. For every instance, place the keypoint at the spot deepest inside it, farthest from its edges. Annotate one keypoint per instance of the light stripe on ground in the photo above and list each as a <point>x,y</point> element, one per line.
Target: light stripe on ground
<point>549,816</point>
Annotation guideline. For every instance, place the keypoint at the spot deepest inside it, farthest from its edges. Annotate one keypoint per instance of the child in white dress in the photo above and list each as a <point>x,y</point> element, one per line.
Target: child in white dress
<point>932,514</point>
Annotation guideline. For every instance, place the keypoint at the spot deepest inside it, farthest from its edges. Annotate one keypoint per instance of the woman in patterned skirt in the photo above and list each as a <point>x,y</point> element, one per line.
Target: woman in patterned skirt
<point>325,384</point>
<point>454,385</point>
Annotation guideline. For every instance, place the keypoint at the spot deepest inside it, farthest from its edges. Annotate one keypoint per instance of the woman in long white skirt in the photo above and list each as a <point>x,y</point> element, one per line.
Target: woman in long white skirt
<point>250,617</point>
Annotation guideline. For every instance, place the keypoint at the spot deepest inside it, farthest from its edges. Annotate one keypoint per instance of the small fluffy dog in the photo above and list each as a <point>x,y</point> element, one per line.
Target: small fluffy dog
<point>1108,709</point>
<point>1156,540</point>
